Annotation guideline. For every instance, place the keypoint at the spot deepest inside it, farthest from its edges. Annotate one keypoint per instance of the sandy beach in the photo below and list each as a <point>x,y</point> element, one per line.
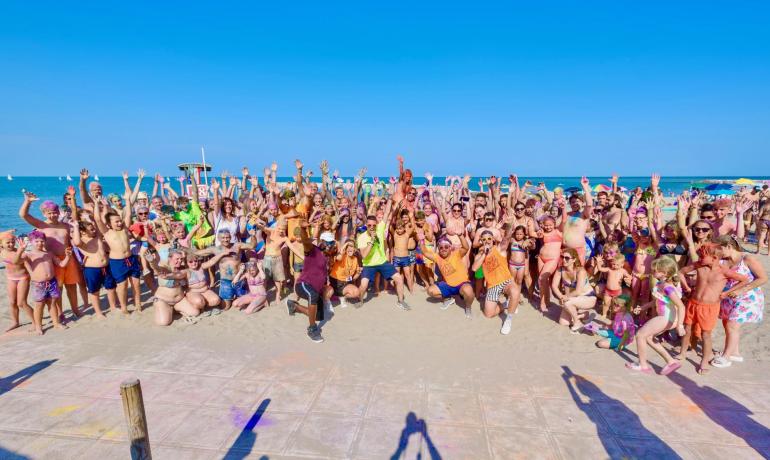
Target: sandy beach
<point>538,393</point>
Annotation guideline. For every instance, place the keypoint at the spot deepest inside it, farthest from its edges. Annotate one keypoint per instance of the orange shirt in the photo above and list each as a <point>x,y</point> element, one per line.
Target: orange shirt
<point>495,268</point>
<point>293,222</point>
<point>345,268</point>
<point>452,268</point>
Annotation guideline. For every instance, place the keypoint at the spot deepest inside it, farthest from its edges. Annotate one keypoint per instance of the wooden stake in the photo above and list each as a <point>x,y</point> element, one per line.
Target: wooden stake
<point>133,408</point>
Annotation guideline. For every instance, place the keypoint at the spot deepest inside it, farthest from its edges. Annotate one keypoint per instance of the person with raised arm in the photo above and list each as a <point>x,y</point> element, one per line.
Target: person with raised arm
<point>57,241</point>
<point>16,276</point>
<point>96,271</point>
<point>124,265</point>
<point>493,262</point>
<point>576,223</point>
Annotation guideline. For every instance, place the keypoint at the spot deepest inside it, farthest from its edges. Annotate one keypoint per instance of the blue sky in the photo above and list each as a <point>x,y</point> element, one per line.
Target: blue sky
<point>566,88</point>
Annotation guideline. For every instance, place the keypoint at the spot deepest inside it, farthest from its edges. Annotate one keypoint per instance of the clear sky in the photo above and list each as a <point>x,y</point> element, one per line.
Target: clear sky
<point>562,88</point>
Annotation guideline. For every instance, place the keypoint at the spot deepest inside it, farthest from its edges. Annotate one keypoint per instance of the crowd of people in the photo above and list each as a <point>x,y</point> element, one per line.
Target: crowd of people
<point>609,261</point>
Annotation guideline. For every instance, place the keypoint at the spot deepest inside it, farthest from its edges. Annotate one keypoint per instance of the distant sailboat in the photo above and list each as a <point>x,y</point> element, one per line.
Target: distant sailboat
<point>60,178</point>
<point>96,177</point>
<point>9,177</point>
<point>69,178</point>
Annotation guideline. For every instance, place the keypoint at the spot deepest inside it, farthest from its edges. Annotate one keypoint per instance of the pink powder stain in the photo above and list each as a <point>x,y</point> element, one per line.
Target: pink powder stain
<point>240,418</point>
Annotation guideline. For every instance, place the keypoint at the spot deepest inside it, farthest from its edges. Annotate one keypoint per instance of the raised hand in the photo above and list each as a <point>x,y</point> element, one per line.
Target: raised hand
<point>161,179</point>
<point>324,166</point>
<point>614,178</point>
<point>298,164</point>
<point>84,174</point>
<point>245,171</point>
<point>492,180</point>
<point>361,172</point>
<point>400,159</point>
<point>584,183</point>
<point>125,175</point>
<point>655,180</point>
<point>71,191</point>
<point>274,166</point>
<point>254,181</point>
<point>429,178</point>
<point>29,196</point>
<point>224,175</point>
<point>743,205</point>
<point>140,174</point>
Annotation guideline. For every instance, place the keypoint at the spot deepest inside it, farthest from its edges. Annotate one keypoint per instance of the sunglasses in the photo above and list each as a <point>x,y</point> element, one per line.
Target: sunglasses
<point>566,257</point>
<point>489,219</point>
<point>445,246</point>
<point>486,240</point>
<point>518,209</point>
<point>142,213</point>
<point>457,210</point>
<point>708,216</point>
<point>701,229</point>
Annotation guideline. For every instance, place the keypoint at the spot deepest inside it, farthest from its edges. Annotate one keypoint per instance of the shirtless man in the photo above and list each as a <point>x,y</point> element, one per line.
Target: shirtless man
<point>123,265</point>
<point>57,241</point>
<point>402,259</point>
<point>41,265</point>
<point>763,226</point>
<point>723,225</point>
<point>229,264</point>
<point>272,264</point>
<point>575,225</point>
<point>96,270</point>
<point>94,192</point>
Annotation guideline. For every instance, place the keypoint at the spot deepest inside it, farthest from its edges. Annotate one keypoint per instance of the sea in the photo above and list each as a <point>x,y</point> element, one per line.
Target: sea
<point>53,188</point>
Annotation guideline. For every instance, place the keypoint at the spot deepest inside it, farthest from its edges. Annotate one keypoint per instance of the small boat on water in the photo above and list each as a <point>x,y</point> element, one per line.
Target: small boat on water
<point>9,177</point>
<point>69,178</point>
<point>60,178</point>
<point>96,177</point>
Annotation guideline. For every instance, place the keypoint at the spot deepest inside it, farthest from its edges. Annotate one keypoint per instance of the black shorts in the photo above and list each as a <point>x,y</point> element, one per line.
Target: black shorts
<point>306,291</point>
<point>338,286</point>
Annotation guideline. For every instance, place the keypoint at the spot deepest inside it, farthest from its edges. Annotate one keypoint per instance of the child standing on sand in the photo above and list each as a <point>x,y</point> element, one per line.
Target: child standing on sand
<point>670,315</point>
<point>16,276</point>
<point>704,304</point>
<point>616,274</point>
<point>41,266</point>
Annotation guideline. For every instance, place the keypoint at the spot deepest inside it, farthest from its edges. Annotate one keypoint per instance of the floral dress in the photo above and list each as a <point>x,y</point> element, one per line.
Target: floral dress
<point>746,308</point>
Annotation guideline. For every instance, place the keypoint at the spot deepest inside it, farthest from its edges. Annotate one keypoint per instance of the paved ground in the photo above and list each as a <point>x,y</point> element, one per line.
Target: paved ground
<point>60,399</point>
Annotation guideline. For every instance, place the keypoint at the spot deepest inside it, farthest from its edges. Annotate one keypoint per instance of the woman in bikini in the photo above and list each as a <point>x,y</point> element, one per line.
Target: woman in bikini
<point>573,291</point>
<point>548,258</point>
<point>256,298</point>
<point>199,292</point>
<point>170,294</point>
<point>518,258</point>
<point>17,278</point>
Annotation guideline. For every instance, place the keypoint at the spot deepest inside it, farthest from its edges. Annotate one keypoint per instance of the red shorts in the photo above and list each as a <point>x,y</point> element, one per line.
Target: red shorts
<point>612,292</point>
<point>701,315</point>
<point>69,274</point>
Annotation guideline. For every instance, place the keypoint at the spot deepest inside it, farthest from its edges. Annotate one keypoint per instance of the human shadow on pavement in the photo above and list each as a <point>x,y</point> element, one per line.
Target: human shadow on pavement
<point>244,443</point>
<point>419,427</point>
<point>12,381</point>
<point>578,385</point>
<point>726,412</point>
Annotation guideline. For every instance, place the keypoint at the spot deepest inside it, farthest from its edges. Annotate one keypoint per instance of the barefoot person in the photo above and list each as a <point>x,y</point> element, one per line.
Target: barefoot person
<point>170,294</point>
<point>57,241</point>
<point>41,265</point>
<point>16,277</point>
<point>96,270</point>
<point>572,289</point>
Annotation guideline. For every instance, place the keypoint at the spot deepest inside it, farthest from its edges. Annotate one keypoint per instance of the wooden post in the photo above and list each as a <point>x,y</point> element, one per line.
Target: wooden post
<point>133,408</point>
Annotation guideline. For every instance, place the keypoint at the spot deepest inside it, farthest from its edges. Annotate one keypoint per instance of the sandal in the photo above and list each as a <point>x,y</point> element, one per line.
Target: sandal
<point>636,367</point>
<point>190,319</point>
<point>669,368</point>
<point>721,362</point>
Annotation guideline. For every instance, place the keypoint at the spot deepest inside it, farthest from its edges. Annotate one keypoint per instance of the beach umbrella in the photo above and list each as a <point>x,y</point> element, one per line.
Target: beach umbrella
<point>719,187</point>
<point>602,188</point>
<point>571,190</point>
<point>716,192</point>
<point>699,184</point>
<point>744,181</point>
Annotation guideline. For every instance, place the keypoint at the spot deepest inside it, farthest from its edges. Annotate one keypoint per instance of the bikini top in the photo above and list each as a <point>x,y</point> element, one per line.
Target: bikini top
<point>170,282</point>
<point>551,237</point>
<point>197,276</point>
<point>570,284</point>
<point>678,250</point>
<point>256,281</point>
<point>516,247</point>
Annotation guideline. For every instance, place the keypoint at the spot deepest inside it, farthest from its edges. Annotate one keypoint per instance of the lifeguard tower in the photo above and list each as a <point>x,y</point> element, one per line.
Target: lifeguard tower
<point>192,172</point>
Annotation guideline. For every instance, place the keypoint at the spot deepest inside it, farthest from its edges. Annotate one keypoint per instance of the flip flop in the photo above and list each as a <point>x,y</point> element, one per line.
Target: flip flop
<point>670,368</point>
<point>637,368</point>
